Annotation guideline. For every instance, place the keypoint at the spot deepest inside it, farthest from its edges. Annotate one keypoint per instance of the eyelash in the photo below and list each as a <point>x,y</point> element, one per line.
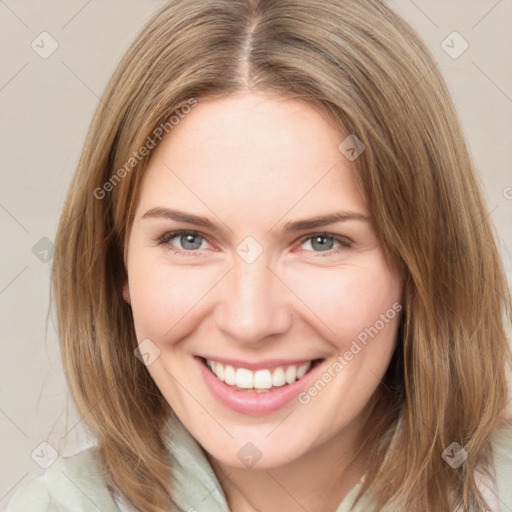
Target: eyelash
<point>167,237</point>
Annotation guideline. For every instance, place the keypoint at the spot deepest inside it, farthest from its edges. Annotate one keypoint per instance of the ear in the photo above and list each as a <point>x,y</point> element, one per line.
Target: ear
<point>126,292</point>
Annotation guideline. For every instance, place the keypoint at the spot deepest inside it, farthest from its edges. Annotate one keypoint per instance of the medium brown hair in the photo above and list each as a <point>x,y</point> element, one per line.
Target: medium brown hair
<point>365,67</point>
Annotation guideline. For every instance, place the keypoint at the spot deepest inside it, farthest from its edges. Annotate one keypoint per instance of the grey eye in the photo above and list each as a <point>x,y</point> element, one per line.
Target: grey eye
<point>190,241</point>
<point>322,243</point>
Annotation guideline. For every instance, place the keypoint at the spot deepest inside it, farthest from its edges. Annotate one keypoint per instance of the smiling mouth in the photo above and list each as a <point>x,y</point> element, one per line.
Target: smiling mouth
<point>259,381</point>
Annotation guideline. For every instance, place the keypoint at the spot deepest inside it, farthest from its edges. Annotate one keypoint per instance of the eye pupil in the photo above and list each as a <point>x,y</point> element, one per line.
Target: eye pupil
<point>325,243</point>
<point>187,241</point>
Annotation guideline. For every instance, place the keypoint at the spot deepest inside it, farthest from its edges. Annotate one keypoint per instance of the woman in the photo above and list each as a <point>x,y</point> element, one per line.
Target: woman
<point>276,283</point>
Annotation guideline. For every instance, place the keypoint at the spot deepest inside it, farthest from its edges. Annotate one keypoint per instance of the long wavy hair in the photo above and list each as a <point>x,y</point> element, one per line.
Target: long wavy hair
<point>361,64</point>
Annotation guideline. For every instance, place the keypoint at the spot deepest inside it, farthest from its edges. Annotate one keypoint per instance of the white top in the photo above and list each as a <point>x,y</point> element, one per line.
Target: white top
<point>76,484</point>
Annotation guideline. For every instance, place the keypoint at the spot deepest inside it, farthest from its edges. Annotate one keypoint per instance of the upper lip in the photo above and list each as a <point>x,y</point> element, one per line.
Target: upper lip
<point>259,365</point>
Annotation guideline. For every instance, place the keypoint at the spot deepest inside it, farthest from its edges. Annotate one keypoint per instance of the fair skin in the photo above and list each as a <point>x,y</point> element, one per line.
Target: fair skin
<point>253,163</point>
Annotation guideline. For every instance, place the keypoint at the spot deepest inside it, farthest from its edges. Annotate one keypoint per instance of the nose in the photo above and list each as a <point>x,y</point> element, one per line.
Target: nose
<point>254,304</point>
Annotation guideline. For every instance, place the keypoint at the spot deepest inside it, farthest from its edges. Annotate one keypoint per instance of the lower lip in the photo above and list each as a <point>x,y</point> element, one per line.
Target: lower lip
<point>250,402</point>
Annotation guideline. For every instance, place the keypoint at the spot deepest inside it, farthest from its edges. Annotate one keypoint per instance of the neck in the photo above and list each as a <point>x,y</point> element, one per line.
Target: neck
<point>317,481</point>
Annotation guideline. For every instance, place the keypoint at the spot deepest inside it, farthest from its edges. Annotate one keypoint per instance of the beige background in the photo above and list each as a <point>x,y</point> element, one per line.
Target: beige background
<point>46,107</point>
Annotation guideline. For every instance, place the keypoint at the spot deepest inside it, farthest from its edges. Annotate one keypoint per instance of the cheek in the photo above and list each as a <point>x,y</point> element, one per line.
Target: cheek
<point>349,301</point>
<point>164,298</point>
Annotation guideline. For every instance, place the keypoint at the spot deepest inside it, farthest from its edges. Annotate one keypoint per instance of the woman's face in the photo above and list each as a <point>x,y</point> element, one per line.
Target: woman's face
<point>252,252</point>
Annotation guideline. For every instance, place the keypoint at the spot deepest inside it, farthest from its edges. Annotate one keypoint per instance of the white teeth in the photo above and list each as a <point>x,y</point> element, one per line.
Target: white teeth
<point>278,377</point>
<point>263,379</point>
<point>219,371</point>
<point>291,374</point>
<point>229,375</point>
<point>303,369</point>
<point>244,378</point>
<point>260,380</point>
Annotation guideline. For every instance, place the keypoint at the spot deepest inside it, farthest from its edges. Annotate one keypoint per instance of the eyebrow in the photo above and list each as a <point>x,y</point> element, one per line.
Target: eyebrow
<point>159,212</point>
<point>324,220</point>
<point>289,227</point>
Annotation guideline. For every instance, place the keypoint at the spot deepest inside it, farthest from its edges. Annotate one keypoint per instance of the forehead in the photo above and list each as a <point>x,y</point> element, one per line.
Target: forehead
<point>252,153</point>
